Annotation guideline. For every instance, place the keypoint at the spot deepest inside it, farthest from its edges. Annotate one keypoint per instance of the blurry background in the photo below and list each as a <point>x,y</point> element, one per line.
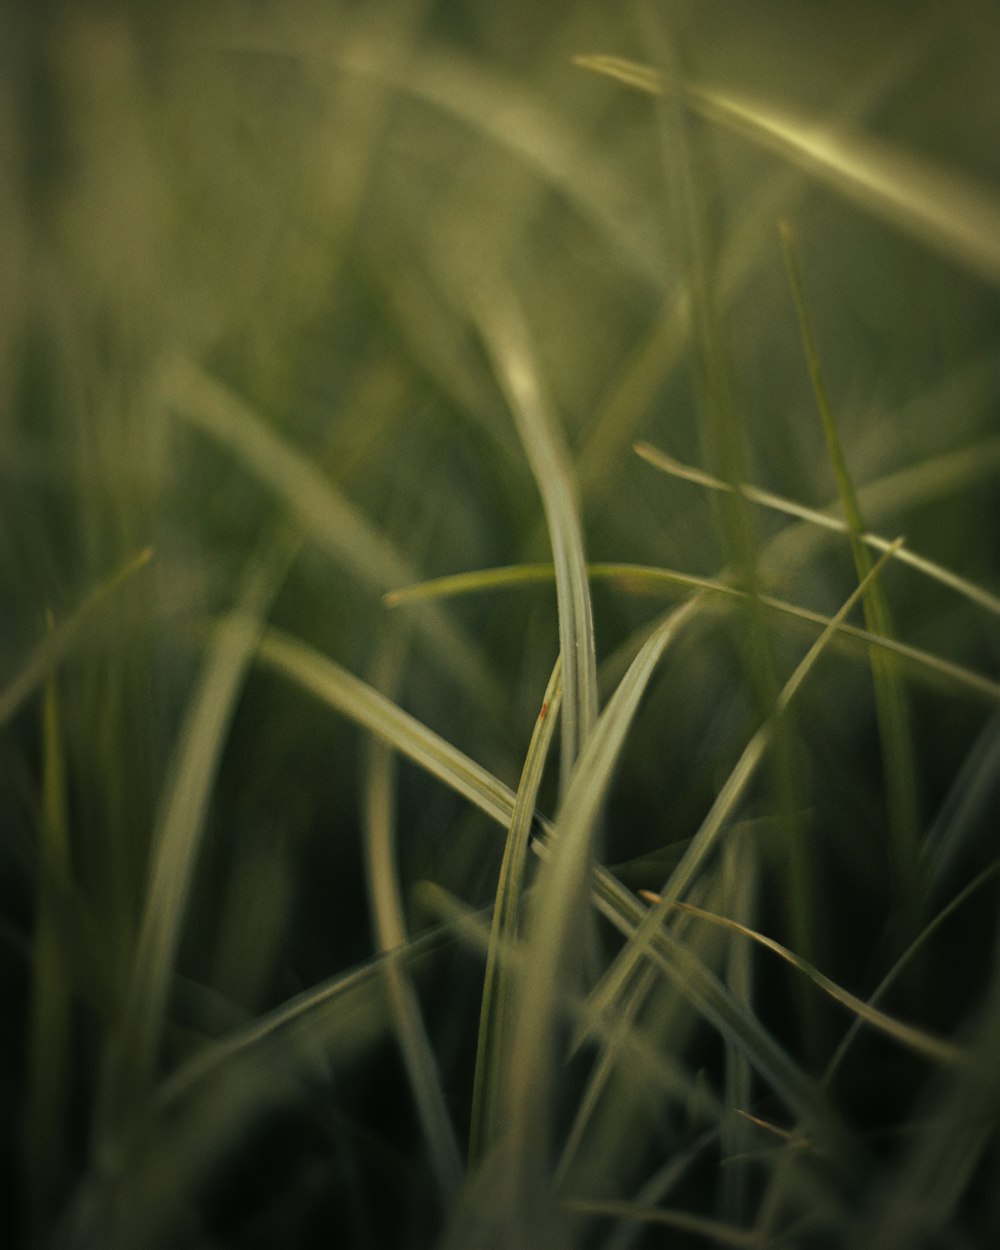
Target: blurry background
<point>243,249</point>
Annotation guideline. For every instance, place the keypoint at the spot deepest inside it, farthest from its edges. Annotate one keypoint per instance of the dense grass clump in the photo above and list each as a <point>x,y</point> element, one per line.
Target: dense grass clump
<point>500,690</point>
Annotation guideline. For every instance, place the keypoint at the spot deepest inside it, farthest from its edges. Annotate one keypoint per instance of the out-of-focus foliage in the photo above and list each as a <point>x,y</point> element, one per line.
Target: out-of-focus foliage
<point>306,303</point>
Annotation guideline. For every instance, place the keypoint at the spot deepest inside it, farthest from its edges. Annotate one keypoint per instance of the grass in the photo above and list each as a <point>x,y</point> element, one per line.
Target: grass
<point>479,767</point>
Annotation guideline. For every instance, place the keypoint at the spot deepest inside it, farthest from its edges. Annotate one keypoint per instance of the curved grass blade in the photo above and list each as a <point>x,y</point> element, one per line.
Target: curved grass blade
<point>495,1022</point>
<point>59,640</point>
<point>508,115</point>
<point>560,901</point>
<point>934,205</point>
<point>745,247</point>
<point>135,1050</point>
<point>665,1075</point>
<point>353,698</point>
<point>641,578</point>
<point>620,973</point>
<point>346,1012</point>
<point>891,708</point>
<point>391,936</point>
<point>907,1035</point>
<point>814,516</point>
<point>734,1022</point>
<point>503,112</point>
<point>506,340</point>
<point>615,1035</point>
<point>900,965</point>
<point>656,1189</point>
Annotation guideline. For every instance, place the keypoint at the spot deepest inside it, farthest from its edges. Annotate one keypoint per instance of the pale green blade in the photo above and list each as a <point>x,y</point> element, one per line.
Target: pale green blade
<point>891,705</point>
<point>341,690</point>
<point>824,520</point>
<point>935,205</point>
<point>493,1045</point>
<point>909,1036</point>
<point>644,579</point>
<point>131,1065</point>
<point>392,937</point>
<point>560,909</point>
<point>507,341</point>
<point>619,974</point>
<point>346,694</point>
<point>900,966</point>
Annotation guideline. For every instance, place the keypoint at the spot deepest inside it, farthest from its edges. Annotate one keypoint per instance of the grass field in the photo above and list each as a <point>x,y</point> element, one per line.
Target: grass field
<point>500,668</point>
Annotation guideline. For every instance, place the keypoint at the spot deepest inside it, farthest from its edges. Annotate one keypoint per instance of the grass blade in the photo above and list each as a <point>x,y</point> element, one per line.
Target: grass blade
<point>930,203</point>
<point>561,895</point>
<point>495,1022</point>
<point>664,1073</point>
<point>892,712</point>
<point>507,342</point>
<point>353,698</point>
<point>391,938</point>
<point>640,578</point>
<point>733,1021</point>
<point>900,965</point>
<point>134,1052</point>
<point>619,974</point>
<point>823,519</point>
<point>907,1035</point>
<point>217,1096</point>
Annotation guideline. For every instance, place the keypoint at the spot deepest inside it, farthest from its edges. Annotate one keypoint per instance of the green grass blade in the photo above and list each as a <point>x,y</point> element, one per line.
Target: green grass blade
<point>510,117</point>
<point>742,251</point>
<point>506,340</point>
<point>935,205</point>
<point>180,821</point>
<point>895,731</point>
<point>343,1014</point>
<point>619,974</point>
<point>353,698</point>
<point>918,1040</point>
<point>813,516</point>
<point>61,639</point>
<point>471,583</point>
<point>392,936</point>
<point>560,906</point>
<point>616,1029</point>
<point>493,1046</point>
<point>656,1189</point>
<point>664,1073</point>
<point>733,1021</point>
<point>640,578</point>
<point>900,965</point>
